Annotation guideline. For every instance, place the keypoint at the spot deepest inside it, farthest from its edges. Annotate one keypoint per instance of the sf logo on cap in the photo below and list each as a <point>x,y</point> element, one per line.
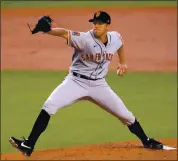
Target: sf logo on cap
<point>98,14</point>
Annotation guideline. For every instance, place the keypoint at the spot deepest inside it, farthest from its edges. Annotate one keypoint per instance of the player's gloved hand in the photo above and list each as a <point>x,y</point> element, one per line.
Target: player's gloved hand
<point>43,25</point>
<point>122,69</point>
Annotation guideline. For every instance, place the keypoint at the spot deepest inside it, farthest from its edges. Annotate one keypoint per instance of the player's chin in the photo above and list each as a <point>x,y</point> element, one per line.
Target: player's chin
<point>97,34</point>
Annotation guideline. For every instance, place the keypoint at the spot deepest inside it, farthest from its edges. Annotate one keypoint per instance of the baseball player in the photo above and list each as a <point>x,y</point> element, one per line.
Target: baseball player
<point>93,52</point>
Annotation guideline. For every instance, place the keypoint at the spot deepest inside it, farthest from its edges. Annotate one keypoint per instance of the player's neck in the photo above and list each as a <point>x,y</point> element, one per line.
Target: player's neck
<point>102,38</point>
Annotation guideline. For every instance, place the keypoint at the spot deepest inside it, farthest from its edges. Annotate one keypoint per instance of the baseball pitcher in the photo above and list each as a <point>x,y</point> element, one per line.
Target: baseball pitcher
<point>93,52</point>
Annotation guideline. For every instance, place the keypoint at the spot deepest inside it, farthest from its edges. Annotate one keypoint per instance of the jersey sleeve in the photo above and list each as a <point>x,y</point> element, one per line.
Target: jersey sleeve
<point>76,40</point>
<point>119,40</point>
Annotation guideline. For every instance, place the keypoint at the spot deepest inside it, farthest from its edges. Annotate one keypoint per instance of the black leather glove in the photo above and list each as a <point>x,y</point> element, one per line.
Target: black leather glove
<point>43,25</point>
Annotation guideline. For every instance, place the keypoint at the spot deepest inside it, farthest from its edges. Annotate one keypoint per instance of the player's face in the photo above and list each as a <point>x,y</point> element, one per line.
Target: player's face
<point>100,28</point>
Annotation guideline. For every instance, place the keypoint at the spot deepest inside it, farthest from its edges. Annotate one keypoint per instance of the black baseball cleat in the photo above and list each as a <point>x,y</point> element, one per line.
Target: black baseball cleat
<point>153,144</point>
<point>21,145</point>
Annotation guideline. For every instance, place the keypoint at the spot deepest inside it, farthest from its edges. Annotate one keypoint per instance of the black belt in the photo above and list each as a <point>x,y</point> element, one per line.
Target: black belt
<point>83,76</point>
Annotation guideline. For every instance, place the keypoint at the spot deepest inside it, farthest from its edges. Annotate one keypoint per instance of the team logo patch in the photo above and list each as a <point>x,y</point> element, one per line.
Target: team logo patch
<point>76,33</point>
<point>98,14</point>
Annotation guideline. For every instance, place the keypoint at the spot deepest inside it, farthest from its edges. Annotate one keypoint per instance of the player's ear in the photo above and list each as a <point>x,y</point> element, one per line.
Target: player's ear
<point>108,26</point>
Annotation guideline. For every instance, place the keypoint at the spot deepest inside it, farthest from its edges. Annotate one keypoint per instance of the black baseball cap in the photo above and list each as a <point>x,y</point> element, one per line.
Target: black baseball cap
<point>101,16</point>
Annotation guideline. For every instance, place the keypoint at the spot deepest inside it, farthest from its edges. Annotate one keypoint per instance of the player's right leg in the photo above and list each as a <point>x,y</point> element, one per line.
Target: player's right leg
<point>68,92</point>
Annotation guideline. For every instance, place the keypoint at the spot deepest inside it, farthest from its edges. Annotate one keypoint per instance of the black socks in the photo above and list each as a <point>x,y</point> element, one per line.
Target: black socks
<point>136,129</point>
<point>39,126</point>
<point>43,119</point>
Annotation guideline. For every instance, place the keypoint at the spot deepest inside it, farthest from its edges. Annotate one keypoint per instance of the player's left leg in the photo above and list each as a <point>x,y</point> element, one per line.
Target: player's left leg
<point>108,100</point>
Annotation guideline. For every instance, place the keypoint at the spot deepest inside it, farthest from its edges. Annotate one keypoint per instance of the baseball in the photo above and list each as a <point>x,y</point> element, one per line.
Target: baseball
<point>119,72</point>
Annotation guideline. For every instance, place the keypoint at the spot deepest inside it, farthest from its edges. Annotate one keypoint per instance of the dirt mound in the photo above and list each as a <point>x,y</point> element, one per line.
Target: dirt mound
<point>131,150</point>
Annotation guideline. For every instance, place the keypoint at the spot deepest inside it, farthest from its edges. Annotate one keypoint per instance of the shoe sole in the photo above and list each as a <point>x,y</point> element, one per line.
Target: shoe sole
<point>16,146</point>
<point>159,147</point>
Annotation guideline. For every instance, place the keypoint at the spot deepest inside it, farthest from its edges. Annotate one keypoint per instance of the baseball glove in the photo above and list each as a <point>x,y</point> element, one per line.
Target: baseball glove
<point>43,25</point>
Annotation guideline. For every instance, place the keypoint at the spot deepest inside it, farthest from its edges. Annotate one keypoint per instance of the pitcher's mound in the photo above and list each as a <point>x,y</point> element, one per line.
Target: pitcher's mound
<point>131,150</point>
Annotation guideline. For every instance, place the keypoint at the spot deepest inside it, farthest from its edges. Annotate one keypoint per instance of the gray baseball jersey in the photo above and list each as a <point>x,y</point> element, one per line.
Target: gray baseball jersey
<point>91,57</point>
